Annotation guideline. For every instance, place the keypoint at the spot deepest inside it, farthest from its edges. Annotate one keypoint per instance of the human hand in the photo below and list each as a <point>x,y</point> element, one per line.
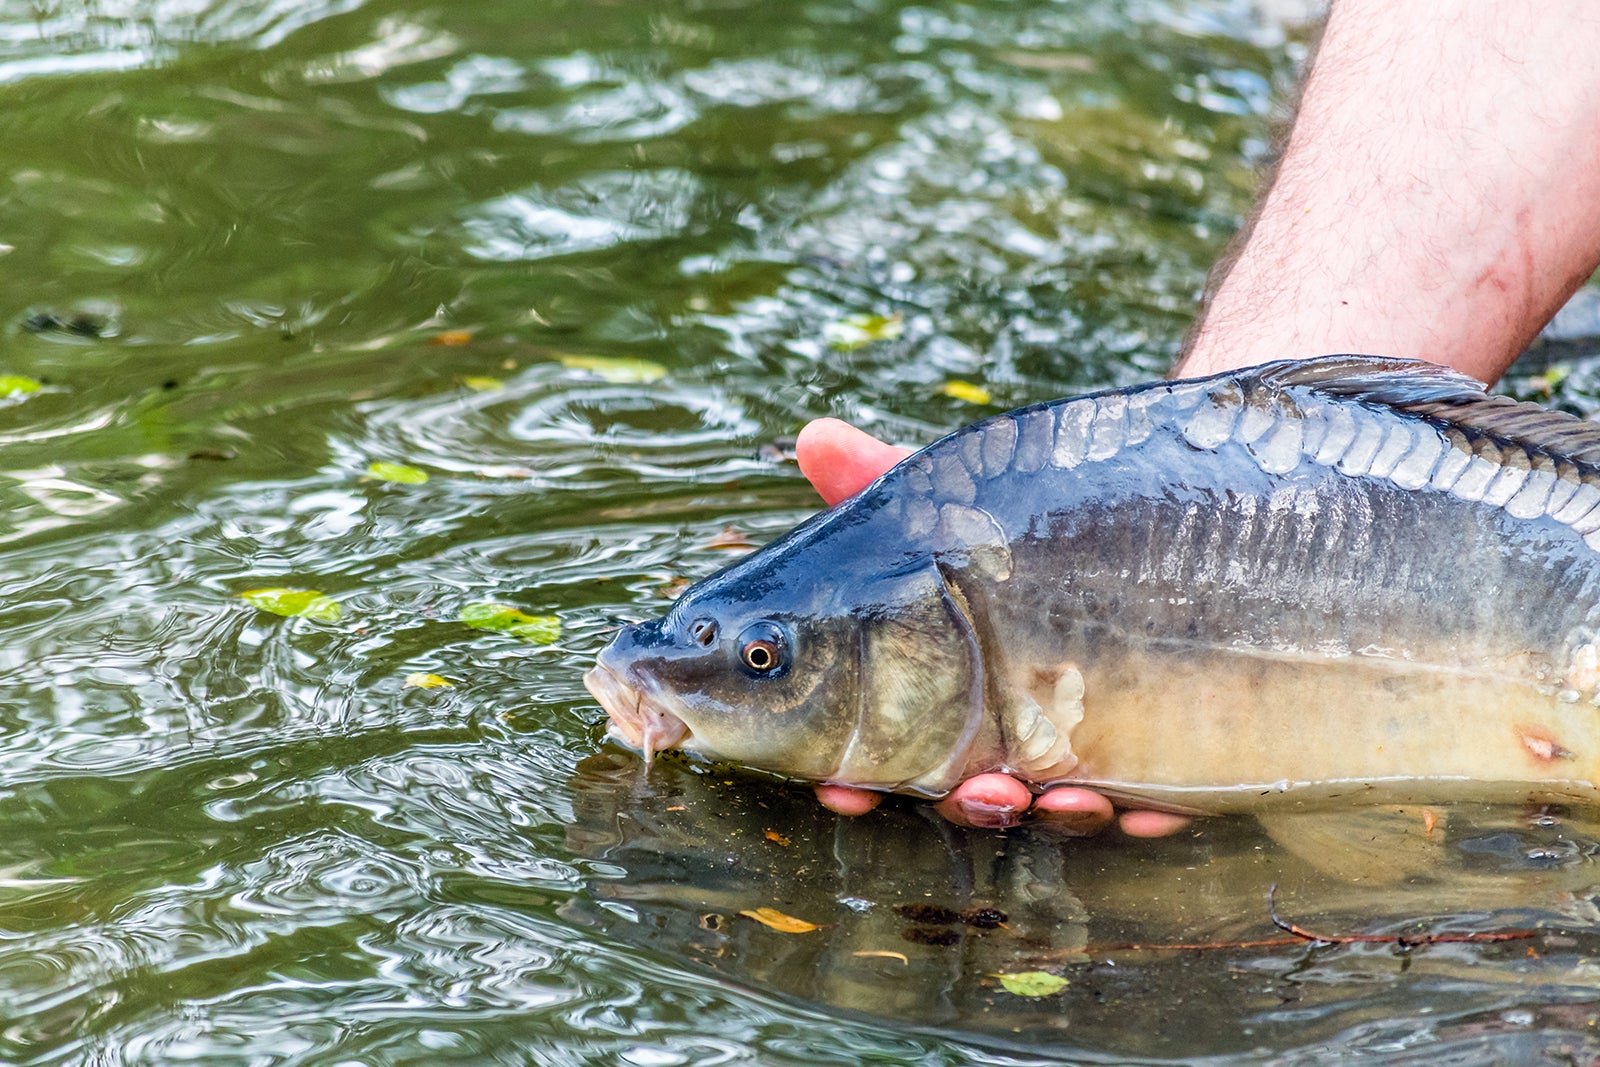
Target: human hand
<point>840,461</point>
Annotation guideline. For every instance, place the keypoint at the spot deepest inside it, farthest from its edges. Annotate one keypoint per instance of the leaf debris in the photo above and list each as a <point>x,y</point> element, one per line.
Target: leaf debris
<point>310,604</point>
<point>777,920</point>
<point>1032,983</point>
<point>398,473</point>
<point>507,619</point>
<point>618,370</point>
<point>965,391</point>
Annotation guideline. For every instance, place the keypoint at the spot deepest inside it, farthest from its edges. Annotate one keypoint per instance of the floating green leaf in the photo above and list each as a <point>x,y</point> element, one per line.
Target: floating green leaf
<point>397,472</point>
<point>16,385</point>
<point>1032,983</point>
<point>967,391</point>
<point>294,603</point>
<point>505,619</point>
<point>482,383</point>
<point>858,331</point>
<point>424,680</point>
<point>619,370</point>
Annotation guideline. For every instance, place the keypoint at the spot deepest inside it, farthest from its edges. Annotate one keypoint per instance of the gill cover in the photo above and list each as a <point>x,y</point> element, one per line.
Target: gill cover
<point>921,687</point>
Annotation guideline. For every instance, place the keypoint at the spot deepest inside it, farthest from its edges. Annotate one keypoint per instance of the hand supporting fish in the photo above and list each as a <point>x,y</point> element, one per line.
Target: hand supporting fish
<point>839,461</point>
<point>1339,580</point>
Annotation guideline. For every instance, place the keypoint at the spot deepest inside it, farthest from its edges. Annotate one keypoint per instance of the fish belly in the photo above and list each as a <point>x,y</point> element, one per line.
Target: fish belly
<point>1234,732</point>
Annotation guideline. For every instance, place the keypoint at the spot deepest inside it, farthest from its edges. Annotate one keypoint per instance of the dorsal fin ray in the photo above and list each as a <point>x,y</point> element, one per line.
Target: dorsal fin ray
<point>1444,397</point>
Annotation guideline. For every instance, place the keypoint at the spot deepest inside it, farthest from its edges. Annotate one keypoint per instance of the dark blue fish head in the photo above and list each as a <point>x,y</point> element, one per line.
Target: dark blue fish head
<point>836,654</point>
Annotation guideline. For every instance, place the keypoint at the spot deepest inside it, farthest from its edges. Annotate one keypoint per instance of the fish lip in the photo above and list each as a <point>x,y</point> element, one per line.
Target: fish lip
<point>636,719</point>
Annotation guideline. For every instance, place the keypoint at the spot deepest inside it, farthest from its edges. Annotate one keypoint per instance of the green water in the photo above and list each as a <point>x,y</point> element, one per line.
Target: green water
<point>233,235</point>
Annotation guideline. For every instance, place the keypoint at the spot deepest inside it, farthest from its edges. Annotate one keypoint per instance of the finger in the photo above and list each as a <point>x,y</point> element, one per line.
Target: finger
<point>1152,823</point>
<point>840,460</point>
<point>847,801</point>
<point>1075,812</point>
<point>991,801</point>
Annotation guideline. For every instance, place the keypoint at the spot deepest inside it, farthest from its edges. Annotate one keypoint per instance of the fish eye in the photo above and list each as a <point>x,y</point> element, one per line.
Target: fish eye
<point>704,632</point>
<point>763,649</point>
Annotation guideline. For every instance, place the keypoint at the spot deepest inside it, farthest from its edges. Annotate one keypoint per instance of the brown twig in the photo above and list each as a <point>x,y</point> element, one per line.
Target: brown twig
<point>1403,940</point>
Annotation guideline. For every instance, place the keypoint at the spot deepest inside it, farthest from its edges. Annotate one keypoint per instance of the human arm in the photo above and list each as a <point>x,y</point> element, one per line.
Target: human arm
<point>1438,197</point>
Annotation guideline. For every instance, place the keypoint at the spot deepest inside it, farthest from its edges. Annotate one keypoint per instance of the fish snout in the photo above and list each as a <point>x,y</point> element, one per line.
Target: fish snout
<point>636,719</point>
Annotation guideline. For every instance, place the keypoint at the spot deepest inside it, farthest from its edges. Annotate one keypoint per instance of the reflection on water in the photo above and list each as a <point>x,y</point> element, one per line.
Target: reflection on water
<point>1161,942</point>
<point>250,248</point>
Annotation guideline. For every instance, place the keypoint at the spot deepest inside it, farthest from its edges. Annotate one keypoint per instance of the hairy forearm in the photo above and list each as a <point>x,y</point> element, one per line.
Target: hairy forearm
<point>1439,195</point>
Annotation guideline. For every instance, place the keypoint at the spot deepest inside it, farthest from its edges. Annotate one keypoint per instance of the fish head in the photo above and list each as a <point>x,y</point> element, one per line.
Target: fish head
<point>857,675</point>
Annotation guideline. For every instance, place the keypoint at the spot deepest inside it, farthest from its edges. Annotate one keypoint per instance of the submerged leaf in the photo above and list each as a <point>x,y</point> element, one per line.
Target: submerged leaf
<point>294,603</point>
<point>784,924</point>
<point>452,338</point>
<point>505,619</point>
<point>16,385</point>
<point>482,383</point>
<point>399,473</point>
<point>731,537</point>
<point>1032,983</point>
<point>967,391</point>
<point>424,680</point>
<point>618,370</point>
<point>857,331</point>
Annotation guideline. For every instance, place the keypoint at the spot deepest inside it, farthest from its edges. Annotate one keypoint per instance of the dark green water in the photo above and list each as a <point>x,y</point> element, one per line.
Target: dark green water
<point>232,238</point>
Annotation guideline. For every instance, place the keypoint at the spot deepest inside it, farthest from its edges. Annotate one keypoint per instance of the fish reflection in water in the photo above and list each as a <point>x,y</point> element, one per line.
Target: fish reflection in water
<point>690,849</point>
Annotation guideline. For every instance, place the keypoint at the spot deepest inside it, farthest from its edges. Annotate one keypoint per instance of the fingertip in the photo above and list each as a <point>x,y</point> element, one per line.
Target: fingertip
<point>840,460</point>
<point>846,800</point>
<point>990,801</point>
<point>1077,812</point>
<point>1152,823</point>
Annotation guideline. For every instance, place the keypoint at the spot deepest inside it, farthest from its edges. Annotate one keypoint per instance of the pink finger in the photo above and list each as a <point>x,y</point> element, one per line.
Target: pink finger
<point>1152,823</point>
<point>1078,812</point>
<point>990,801</point>
<point>840,460</point>
<point>847,801</point>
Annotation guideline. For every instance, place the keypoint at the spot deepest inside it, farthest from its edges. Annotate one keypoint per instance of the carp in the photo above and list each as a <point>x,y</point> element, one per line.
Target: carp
<point>1332,580</point>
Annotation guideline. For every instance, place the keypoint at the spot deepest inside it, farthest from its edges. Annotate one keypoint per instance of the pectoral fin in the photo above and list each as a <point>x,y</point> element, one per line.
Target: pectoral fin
<point>1038,723</point>
<point>1372,846</point>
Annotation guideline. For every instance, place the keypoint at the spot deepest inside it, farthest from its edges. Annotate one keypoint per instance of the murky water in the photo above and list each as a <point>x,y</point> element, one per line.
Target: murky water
<point>578,263</point>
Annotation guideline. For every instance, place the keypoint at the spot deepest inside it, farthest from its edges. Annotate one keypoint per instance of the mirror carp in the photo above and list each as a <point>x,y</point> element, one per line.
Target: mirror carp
<point>1346,578</point>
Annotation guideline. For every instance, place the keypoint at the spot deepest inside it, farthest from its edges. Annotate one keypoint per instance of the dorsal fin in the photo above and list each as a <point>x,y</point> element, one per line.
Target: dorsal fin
<point>1443,396</point>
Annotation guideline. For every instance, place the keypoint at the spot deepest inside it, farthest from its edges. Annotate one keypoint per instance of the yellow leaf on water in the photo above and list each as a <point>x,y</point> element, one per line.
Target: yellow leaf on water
<point>452,338</point>
<point>482,383</point>
<point>424,680</point>
<point>1032,983</point>
<point>784,924</point>
<point>618,370</point>
<point>398,473</point>
<point>16,385</point>
<point>857,331</point>
<point>967,391</point>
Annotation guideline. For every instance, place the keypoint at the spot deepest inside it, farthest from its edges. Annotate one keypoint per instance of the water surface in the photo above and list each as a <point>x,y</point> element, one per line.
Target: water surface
<point>250,247</point>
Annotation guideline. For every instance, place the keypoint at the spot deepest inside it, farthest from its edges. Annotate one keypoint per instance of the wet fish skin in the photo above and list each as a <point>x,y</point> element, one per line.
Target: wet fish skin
<point>1336,577</point>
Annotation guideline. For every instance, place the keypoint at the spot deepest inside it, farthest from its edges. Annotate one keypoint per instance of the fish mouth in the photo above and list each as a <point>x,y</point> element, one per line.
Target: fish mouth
<point>637,721</point>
